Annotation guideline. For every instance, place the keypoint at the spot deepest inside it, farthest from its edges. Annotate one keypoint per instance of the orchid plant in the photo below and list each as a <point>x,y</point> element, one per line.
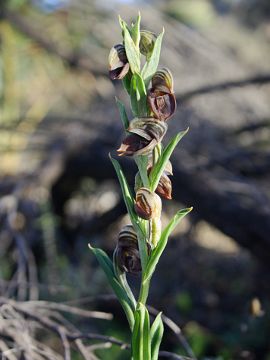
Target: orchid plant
<point>142,242</point>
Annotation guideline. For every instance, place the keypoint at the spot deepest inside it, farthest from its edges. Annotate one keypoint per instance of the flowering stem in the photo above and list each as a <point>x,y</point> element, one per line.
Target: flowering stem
<point>142,161</point>
<point>141,243</point>
<point>144,291</point>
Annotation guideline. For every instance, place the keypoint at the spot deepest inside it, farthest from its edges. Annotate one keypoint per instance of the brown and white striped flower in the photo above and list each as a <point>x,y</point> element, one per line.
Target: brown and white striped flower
<point>118,62</point>
<point>164,188</point>
<point>161,98</point>
<point>144,135</point>
<point>127,255</point>
<point>148,204</point>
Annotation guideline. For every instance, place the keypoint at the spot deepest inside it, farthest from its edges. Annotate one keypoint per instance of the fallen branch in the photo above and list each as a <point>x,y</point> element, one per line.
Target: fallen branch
<point>259,79</point>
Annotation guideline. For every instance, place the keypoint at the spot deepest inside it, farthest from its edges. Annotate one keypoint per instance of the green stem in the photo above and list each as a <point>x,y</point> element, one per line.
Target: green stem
<point>142,162</point>
<point>142,242</point>
<point>144,291</point>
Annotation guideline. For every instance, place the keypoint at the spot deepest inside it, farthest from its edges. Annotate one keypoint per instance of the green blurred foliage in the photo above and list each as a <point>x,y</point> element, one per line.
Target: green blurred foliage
<point>183,302</point>
<point>198,337</point>
<point>197,13</point>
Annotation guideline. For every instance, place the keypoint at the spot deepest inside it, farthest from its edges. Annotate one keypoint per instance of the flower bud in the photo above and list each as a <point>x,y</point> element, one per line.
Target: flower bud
<point>164,188</point>
<point>145,134</point>
<point>147,43</point>
<point>161,98</point>
<point>148,204</point>
<point>118,62</point>
<point>127,255</point>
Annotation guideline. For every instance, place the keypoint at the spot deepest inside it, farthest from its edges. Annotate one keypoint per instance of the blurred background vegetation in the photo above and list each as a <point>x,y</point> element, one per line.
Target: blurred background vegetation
<point>58,191</point>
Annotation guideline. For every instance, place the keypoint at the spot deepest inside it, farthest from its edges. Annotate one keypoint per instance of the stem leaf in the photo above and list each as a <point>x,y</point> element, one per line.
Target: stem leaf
<point>141,345</point>
<point>159,167</point>
<point>133,92</point>
<point>150,66</point>
<point>127,81</point>
<point>146,336</point>
<point>135,31</point>
<point>126,191</point>
<point>157,252</point>
<point>135,341</point>
<point>133,54</point>
<point>142,161</point>
<point>156,334</point>
<point>138,96</point>
<point>120,292</point>
<point>122,112</point>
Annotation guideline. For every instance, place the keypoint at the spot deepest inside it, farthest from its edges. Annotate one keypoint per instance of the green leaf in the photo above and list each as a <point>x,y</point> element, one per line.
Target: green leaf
<point>141,349</point>
<point>139,225</point>
<point>127,81</point>
<point>150,66</point>
<point>108,269</point>
<point>141,96</point>
<point>133,95</point>
<point>138,96</point>
<point>122,23</point>
<point>135,341</point>
<point>157,252</point>
<point>146,336</point>
<point>135,31</point>
<point>156,334</point>
<point>132,52</point>
<point>122,279</point>
<point>123,114</point>
<point>158,169</point>
<point>126,191</point>
<point>142,161</point>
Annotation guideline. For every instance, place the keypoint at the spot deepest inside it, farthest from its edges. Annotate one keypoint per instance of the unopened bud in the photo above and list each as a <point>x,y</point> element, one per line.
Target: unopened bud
<point>164,188</point>
<point>147,43</point>
<point>148,204</point>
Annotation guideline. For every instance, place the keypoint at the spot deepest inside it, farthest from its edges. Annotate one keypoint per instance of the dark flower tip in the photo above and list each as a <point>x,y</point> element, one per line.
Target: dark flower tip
<point>118,62</point>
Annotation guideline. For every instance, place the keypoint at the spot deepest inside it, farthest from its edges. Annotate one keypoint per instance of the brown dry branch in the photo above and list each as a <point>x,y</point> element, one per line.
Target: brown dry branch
<point>20,320</point>
<point>258,79</point>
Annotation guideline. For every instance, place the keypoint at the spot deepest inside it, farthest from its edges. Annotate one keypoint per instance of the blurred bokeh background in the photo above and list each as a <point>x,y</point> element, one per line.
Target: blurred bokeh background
<point>58,190</point>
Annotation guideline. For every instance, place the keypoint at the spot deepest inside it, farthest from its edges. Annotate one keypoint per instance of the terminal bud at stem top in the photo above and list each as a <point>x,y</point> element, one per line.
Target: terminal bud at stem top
<point>147,43</point>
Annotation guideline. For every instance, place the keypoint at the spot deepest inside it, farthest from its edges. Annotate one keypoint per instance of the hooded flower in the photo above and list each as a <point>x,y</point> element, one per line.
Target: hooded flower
<point>164,188</point>
<point>118,62</point>
<point>161,98</point>
<point>144,135</point>
<point>127,255</point>
<point>148,204</point>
